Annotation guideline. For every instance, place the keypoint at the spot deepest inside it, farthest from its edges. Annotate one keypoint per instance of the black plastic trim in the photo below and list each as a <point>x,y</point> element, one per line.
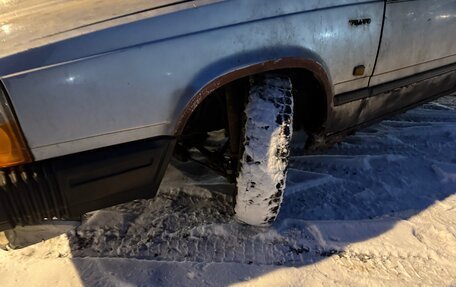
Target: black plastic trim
<point>65,188</point>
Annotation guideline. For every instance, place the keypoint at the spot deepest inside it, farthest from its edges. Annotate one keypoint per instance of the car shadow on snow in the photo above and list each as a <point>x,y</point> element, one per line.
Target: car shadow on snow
<point>355,191</point>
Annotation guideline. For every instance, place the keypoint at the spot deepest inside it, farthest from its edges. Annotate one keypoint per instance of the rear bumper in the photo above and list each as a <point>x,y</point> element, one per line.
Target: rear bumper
<point>69,186</point>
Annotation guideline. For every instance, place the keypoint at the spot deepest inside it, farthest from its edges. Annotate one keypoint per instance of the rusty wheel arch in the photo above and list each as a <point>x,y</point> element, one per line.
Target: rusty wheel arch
<point>308,65</point>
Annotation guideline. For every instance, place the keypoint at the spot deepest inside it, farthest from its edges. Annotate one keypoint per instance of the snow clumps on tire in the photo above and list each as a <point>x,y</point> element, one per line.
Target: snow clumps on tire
<point>266,147</point>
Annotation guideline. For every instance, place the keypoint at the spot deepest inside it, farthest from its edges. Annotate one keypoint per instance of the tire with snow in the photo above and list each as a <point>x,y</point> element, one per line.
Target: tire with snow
<point>264,160</point>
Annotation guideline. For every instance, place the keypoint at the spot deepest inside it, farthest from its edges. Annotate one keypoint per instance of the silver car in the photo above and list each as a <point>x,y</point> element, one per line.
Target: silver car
<point>96,96</point>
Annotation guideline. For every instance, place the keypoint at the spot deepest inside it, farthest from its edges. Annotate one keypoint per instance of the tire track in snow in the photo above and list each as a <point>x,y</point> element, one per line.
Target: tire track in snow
<point>382,172</point>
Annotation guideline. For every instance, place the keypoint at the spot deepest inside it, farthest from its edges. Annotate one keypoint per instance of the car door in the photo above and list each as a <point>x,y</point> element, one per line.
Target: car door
<point>418,36</point>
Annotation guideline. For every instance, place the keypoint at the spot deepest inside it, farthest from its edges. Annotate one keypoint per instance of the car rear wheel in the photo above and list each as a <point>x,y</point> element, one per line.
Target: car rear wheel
<point>263,164</point>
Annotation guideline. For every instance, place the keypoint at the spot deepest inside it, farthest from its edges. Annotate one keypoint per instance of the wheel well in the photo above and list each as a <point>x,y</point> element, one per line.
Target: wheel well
<point>222,112</point>
<point>311,103</point>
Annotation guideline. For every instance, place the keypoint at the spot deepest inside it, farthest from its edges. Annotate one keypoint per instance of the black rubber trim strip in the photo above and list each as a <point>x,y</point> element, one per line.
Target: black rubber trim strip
<point>335,136</point>
<point>383,88</point>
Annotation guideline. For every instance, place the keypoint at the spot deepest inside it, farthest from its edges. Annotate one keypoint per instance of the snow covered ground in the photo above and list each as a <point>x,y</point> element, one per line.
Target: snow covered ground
<point>378,209</point>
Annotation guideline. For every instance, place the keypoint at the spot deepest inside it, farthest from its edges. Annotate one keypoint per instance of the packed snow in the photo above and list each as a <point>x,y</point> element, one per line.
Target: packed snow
<point>378,209</point>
